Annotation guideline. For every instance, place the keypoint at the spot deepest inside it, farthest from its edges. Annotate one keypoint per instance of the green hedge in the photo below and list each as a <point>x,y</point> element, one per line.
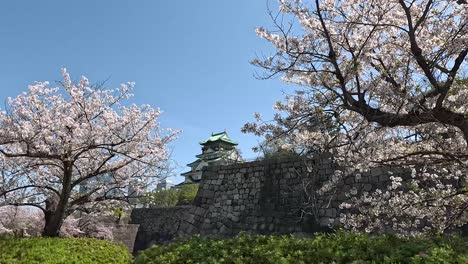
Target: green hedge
<point>323,248</point>
<point>171,197</point>
<point>162,198</point>
<point>187,194</point>
<point>61,250</point>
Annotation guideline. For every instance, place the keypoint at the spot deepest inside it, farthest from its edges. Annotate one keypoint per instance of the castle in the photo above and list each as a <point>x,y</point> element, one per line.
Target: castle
<point>217,150</point>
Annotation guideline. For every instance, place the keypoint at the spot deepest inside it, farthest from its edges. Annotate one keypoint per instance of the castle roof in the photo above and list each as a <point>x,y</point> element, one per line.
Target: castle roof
<point>196,162</point>
<point>223,136</point>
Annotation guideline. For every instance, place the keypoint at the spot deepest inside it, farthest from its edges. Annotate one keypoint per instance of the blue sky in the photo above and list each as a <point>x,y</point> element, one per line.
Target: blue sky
<point>190,58</point>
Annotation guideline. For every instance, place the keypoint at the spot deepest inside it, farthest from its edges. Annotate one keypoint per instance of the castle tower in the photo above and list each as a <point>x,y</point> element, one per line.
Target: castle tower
<point>218,149</point>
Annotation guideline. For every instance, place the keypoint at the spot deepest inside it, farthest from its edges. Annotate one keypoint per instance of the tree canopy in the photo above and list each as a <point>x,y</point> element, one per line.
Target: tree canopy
<point>77,147</point>
<point>391,78</point>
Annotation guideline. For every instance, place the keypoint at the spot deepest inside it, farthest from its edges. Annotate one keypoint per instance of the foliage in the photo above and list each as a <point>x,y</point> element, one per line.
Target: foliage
<point>276,149</point>
<point>323,248</point>
<point>78,148</point>
<point>162,198</point>
<point>171,197</point>
<point>187,194</point>
<point>118,213</point>
<point>380,83</point>
<point>61,250</point>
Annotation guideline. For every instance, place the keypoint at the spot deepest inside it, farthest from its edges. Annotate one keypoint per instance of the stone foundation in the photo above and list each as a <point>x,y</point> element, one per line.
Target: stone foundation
<point>262,197</point>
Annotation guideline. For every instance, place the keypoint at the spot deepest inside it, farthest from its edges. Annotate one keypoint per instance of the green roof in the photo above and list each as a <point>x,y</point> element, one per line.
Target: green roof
<point>212,155</point>
<point>194,163</point>
<point>188,173</point>
<point>223,136</point>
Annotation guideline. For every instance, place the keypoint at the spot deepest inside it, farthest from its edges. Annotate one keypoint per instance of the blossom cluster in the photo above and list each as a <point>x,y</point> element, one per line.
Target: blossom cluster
<point>82,143</point>
<point>381,83</point>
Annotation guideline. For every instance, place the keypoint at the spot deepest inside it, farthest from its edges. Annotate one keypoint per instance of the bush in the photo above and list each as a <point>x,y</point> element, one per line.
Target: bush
<point>187,194</point>
<point>171,197</point>
<point>323,248</point>
<point>61,250</point>
<point>161,198</point>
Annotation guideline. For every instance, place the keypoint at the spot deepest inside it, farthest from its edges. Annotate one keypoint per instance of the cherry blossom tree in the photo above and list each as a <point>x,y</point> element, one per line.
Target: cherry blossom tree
<point>20,221</point>
<point>28,221</point>
<point>380,83</point>
<point>78,147</point>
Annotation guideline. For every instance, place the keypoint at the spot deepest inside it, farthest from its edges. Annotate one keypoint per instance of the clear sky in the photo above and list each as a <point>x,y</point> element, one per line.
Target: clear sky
<point>190,58</point>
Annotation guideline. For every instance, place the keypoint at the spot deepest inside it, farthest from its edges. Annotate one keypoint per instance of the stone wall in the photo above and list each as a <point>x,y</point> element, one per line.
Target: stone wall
<point>260,197</point>
<point>125,234</point>
<point>265,197</point>
<point>159,225</point>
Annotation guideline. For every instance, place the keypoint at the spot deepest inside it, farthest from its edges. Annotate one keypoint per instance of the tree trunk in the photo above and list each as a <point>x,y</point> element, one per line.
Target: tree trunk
<point>464,129</point>
<point>53,221</point>
<point>52,225</point>
<point>56,205</point>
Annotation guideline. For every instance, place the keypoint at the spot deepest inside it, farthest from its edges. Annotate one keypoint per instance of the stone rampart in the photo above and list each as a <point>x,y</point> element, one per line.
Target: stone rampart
<point>264,197</point>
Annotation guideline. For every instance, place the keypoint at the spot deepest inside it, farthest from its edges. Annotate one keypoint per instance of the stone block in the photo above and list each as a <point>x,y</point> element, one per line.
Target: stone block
<point>374,179</point>
<point>375,172</point>
<point>349,180</point>
<point>271,227</point>
<point>199,211</point>
<point>223,229</point>
<point>331,212</point>
<point>325,221</point>
<point>364,179</point>
<point>384,177</point>
<point>208,193</point>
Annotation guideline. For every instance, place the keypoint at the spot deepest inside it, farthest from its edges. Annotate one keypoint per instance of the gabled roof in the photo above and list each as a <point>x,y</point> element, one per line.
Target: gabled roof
<point>223,136</point>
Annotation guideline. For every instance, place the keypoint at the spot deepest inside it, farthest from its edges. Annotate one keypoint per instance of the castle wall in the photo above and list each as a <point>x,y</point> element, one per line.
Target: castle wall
<point>264,197</point>
<point>125,234</point>
<point>159,225</point>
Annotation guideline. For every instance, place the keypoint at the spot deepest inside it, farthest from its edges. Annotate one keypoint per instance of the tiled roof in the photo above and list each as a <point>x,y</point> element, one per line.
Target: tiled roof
<point>223,136</point>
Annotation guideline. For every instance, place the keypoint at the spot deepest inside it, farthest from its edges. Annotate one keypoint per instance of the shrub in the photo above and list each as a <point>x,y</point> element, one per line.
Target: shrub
<point>187,194</point>
<point>323,248</point>
<point>161,198</point>
<point>61,250</point>
<point>171,197</point>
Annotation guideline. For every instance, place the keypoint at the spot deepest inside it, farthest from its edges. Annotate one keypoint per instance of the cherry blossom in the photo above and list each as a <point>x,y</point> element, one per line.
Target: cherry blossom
<point>70,148</point>
<point>21,221</point>
<point>380,83</point>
